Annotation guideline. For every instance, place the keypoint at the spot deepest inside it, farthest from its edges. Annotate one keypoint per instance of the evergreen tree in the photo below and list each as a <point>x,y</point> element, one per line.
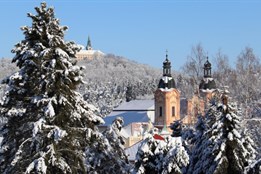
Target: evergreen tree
<point>117,143</point>
<point>176,128</point>
<point>177,158</point>
<point>50,127</point>
<point>146,159</point>
<point>198,144</point>
<point>222,148</point>
<point>161,156</point>
<point>185,132</point>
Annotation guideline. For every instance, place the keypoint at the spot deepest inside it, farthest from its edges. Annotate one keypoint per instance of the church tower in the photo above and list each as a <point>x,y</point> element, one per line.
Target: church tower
<point>89,44</point>
<point>207,85</point>
<point>167,98</point>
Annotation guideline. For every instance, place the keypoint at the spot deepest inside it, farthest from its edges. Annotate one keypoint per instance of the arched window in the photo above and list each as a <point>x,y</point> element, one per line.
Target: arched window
<point>160,110</point>
<point>173,111</point>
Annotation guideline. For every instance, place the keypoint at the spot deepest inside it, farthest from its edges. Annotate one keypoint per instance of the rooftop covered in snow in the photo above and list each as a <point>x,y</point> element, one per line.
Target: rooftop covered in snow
<point>136,105</point>
<point>128,117</point>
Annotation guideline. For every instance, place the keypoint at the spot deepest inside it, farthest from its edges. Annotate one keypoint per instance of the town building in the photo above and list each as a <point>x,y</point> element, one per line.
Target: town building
<point>89,52</point>
<point>138,116</point>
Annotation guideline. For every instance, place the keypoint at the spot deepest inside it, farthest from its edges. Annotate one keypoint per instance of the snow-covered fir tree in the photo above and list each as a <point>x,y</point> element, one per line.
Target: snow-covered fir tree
<point>177,158</point>
<point>146,159</point>
<point>185,132</point>
<point>161,156</point>
<point>116,141</point>
<point>50,128</point>
<point>197,143</point>
<point>176,128</point>
<point>222,148</point>
<point>114,136</point>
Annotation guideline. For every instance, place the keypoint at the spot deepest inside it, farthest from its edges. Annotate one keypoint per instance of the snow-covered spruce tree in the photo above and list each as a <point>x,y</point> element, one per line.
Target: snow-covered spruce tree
<point>146,159</point>
<point>198,141</point>
<point>161,156</point>
<point>185,132</point>
<point>177,158</point>
<point>117,147</point>
<point>50,126</point>
<point>176,128</point>
<point>222,148</point>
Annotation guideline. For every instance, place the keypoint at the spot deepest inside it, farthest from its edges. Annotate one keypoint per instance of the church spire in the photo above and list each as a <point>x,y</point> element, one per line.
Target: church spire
<point>207,82</point>
<point>89,44</point>
<point>167,66</point>
<point>167,81</point>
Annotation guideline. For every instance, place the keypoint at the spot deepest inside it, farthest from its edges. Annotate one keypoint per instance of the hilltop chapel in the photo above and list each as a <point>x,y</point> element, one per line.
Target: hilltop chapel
<point>89,52</point>
<point>166,107</point>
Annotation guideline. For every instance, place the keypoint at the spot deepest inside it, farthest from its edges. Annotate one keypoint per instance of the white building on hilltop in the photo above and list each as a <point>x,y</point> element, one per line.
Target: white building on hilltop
<point>89,53</point>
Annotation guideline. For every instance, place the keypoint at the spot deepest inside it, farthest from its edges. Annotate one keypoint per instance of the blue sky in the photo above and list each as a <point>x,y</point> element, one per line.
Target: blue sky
<point>142,30</point>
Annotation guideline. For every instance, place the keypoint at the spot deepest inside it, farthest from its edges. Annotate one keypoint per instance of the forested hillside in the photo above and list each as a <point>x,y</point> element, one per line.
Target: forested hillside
<point>108,80</point>
<point>113,79</point>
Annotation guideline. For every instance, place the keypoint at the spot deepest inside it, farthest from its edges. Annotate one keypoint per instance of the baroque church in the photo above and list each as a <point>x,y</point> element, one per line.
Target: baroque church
<point>167,106</point>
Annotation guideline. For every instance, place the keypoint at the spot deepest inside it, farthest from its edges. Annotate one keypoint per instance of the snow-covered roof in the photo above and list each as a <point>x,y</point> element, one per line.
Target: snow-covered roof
<point>128,117</point>
<point>207,83</point>
<point>136,105</point>
<point>132,150</point>
<point>166,82</point>
<point>166,79</point>
<point>90,52</point>
<point>208,90</point>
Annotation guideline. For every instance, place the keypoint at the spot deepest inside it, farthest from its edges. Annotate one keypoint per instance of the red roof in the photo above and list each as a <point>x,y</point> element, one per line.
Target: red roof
<point>158,137</point>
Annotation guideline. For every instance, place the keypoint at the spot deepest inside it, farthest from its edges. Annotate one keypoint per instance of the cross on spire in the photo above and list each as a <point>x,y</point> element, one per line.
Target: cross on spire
<point>167,55</point>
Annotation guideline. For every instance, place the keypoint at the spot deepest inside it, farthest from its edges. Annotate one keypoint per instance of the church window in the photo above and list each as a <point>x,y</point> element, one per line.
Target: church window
<point>173,111</point>
<point>160,114</point>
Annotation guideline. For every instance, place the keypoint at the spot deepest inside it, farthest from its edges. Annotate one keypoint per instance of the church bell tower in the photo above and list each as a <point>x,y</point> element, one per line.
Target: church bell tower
<point>207,85</point>
<point>167,98</point>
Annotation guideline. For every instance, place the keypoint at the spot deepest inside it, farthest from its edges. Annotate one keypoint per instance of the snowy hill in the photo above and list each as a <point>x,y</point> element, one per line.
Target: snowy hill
<point>109,80</point>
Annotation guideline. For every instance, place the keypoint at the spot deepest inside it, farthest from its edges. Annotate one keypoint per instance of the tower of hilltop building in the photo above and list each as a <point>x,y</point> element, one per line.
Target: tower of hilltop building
<point>89,44</point>
<point>167,98</point>
<point>89,52</point>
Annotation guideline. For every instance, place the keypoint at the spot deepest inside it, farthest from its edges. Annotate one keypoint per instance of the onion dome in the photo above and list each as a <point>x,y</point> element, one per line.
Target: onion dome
<point>167,82</point>
<point>207,69</point>
<point>207,83</point>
